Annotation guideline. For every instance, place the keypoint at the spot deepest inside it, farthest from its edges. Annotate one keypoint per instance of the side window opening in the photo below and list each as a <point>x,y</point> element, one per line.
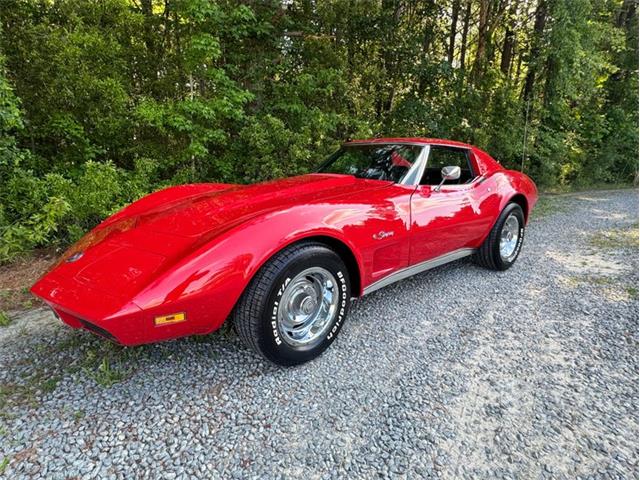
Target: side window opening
<point>441,156</point>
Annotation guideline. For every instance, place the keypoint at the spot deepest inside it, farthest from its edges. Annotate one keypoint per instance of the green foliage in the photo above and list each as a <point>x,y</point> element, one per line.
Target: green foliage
<point>547,205</point>
<point>108,364</point>
<point>616,239</point>
<point>103,102</point>
<point>35,230</point>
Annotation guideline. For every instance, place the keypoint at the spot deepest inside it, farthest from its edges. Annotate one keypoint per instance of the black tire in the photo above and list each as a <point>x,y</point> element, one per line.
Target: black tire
<point>254,316</point>
<point>488,255</point>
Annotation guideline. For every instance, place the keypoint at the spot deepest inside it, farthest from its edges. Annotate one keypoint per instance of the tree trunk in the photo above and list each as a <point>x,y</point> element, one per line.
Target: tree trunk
<point>452,34</point>
<point>627,10</point>
<point>482,38</point>
<point>549,93</point>
<point>392,9</point>
<point>465,33</point>
<point>427,38</point>
<point>509,40</point>
<point>147,12</point>
<point>534,52</point>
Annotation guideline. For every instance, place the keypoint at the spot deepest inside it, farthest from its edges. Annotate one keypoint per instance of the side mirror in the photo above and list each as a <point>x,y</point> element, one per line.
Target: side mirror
<point>448,173</point>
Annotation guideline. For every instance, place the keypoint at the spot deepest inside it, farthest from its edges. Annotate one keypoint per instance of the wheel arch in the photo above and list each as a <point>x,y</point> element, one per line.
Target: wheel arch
<point>521,200</point>
<point>342,250</point>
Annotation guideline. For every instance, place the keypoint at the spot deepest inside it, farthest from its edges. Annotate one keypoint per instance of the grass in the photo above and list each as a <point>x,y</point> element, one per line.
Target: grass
<point>607,282</point>
<point>104,365</point>
<point>15,393</point>
<point>552,200</point>
<point>547,205</point>
<point>599,280</point>
<point>107,363</point>
<point>80,353</point>
<point>225,331</point>
<point>5,321</point>
<point>589,188</point>
<point>108,373</point>
<point>576,280</point>
<point>50,384</point>
<point>616,239</point>
<point>25,393</point>
<point>3,464</point>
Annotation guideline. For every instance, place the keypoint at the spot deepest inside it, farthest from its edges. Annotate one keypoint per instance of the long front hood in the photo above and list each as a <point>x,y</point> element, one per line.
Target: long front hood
<point>205,210</point>
<point>127,251</point>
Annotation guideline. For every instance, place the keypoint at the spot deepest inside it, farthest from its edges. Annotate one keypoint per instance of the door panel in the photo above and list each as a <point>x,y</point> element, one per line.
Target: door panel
<point>382,236</point>
<point>447,218</point>
<point>457,216</point>
<point>441,221</point>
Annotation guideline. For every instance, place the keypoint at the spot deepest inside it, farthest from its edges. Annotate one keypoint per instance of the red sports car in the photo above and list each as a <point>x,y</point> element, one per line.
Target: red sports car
<point>282,259</point>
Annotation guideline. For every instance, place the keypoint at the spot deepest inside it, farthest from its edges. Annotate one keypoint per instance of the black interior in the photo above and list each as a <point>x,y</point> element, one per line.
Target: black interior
<point>439,157</point>
<point>433,176</point>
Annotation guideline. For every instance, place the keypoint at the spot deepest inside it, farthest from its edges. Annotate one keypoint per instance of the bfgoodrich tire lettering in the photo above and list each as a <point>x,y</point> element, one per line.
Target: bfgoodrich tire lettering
<point>258,315</point>
<point>489,255</point>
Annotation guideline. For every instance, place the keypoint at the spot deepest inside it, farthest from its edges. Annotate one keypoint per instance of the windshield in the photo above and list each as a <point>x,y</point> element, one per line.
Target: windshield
<point>373,161</point>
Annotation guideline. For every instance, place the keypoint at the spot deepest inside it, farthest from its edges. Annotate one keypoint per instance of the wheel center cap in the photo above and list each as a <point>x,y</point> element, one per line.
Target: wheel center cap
<point>308,305</point>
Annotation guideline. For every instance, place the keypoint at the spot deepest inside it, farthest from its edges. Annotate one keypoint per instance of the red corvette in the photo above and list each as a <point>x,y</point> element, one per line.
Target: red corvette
<point>282,259</point>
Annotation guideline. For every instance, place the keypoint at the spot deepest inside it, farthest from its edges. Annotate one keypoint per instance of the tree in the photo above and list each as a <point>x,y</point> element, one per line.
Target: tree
<point>102,102</point>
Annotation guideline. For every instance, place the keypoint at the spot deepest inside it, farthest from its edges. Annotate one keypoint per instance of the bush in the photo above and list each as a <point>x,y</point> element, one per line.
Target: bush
<point>59,209</point>
<point>102,102</point>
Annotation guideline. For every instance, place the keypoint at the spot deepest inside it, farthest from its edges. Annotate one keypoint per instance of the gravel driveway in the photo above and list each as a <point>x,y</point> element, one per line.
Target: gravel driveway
<point>457,373</point>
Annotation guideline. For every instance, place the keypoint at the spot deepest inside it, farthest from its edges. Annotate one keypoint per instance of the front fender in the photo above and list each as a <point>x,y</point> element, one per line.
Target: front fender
<point>209,282</point>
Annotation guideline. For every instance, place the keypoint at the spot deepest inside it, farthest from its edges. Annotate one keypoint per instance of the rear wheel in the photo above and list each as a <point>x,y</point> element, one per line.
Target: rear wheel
<point>295,305</point>
<point>502,246</point>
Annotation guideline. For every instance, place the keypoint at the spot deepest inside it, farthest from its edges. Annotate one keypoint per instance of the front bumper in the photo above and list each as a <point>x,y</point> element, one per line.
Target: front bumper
<point>76,322</point>
<point>117,319</point>
<point>80,306</point>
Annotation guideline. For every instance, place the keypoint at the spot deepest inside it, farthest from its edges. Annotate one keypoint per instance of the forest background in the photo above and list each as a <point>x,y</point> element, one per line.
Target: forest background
<point>103,101</point>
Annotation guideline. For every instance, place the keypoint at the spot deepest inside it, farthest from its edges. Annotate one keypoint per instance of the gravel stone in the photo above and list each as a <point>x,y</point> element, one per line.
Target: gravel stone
<point>459,372</point>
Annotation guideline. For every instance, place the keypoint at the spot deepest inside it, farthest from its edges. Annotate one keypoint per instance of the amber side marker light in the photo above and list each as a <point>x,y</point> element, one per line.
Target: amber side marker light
<point>173,318</point>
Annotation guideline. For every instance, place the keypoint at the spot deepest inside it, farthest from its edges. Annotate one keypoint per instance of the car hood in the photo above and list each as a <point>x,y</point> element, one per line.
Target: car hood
<point>126,251</point>
<point>194,211</point>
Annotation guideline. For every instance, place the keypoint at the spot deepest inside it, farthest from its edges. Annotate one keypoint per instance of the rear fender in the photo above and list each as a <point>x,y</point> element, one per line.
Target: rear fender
<point>517,186</point>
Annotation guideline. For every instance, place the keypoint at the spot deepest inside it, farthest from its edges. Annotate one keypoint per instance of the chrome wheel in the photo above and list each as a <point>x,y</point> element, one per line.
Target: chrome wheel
<point>509,238</point>
<point>307,306</point>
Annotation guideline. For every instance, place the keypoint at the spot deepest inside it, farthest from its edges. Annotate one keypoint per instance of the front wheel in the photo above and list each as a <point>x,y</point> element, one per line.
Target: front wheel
<point>502,246</point>
<point>295,305</point>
